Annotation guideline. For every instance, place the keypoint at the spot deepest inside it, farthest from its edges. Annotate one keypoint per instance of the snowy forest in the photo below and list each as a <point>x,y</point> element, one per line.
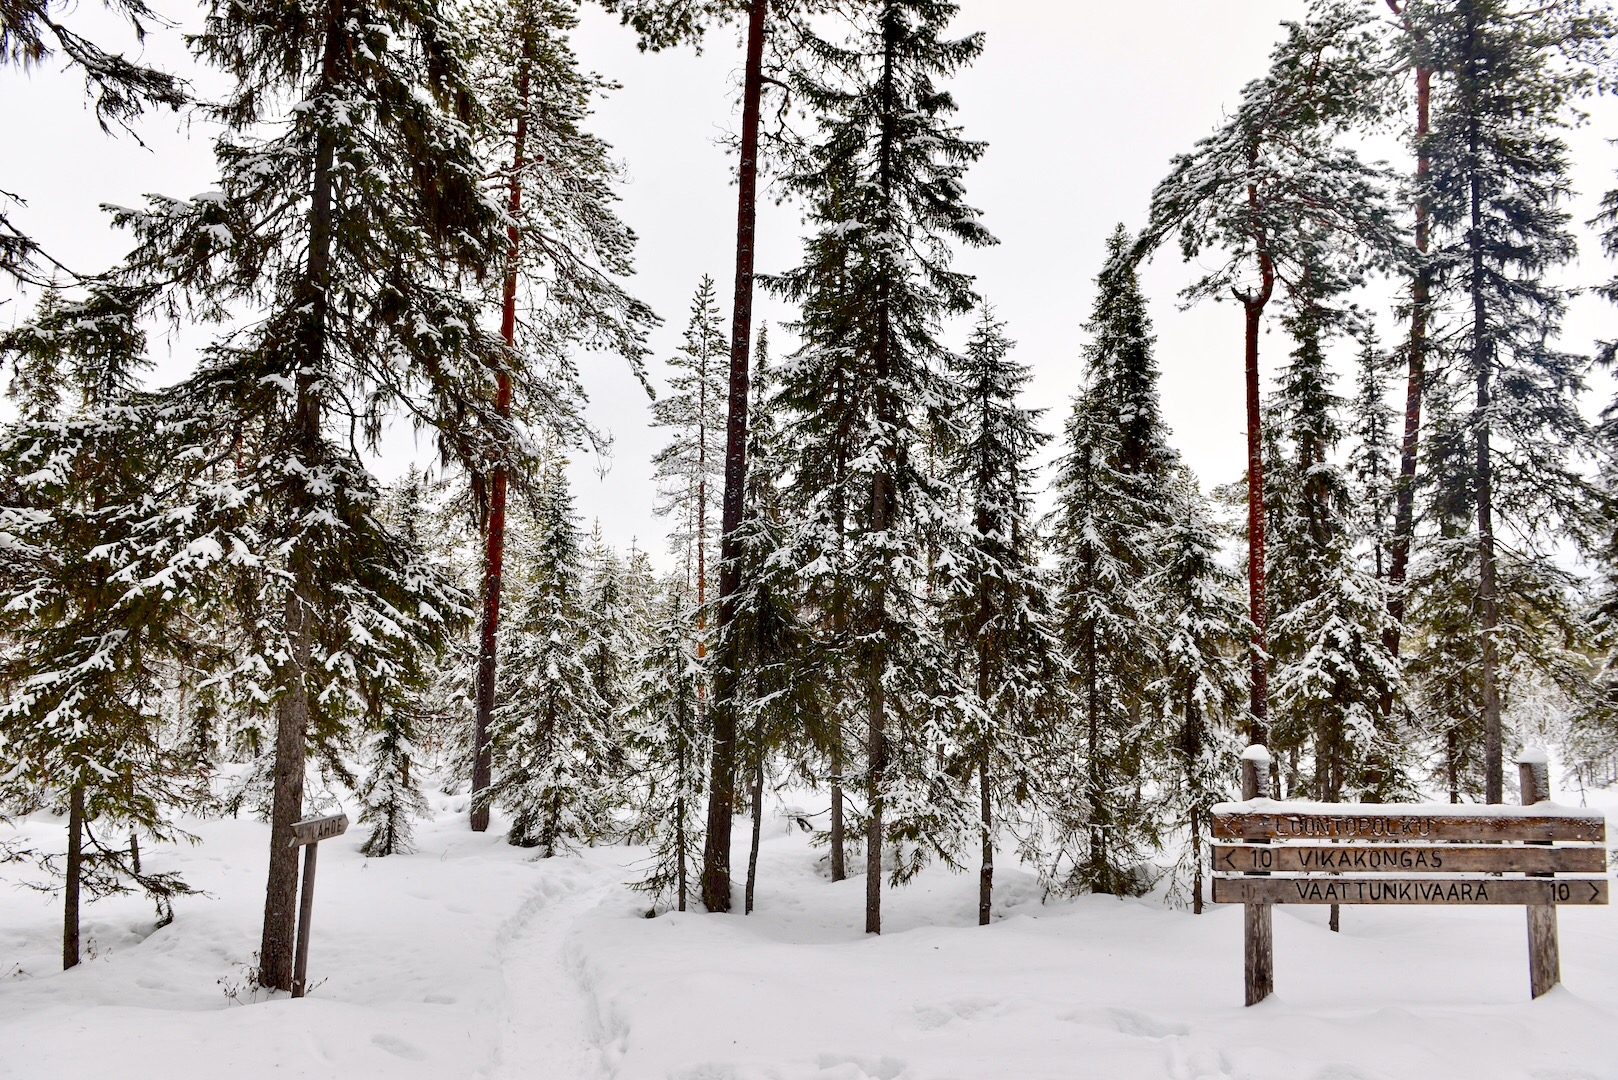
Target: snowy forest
<point>922,621</point>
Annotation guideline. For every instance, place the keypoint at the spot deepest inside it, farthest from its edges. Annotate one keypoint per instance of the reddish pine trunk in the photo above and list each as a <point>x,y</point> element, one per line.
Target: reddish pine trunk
<point>494,551</point>
<point>722,775</point>
<point>1258,728</point>
<point>1404,515</point>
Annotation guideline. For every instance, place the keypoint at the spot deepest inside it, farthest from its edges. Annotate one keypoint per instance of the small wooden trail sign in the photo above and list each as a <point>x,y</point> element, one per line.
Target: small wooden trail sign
<point>1331,853</point>
<point>308,834</point>
<point>1345,890</point>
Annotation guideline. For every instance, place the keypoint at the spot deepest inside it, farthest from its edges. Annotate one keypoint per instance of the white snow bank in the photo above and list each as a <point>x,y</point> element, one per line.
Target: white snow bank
<point>470,960</point>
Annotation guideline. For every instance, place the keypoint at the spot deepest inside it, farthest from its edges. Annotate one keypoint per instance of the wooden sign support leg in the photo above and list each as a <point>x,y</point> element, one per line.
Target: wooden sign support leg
<point>1544,952</point>
<point>306,903</point>
<point>1257,938</point>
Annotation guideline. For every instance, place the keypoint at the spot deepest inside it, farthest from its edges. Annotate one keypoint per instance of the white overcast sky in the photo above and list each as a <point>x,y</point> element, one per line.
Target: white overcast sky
<point>1082,104</point>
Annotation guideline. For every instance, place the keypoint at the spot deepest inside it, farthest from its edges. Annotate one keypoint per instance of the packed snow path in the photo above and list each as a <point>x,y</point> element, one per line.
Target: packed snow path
<point>549,1026</point>
<point>472,960</point>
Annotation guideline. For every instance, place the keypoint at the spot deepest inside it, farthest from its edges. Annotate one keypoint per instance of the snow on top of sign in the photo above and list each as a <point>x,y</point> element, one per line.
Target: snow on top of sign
<point>1428,809</point>
<point>1257,752</point>
<point>1533,755</point>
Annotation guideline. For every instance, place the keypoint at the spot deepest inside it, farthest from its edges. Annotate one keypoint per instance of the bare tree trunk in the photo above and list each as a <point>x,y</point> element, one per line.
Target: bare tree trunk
<point>1258,700</point>
<point>876,758</point>
<point>291,733</point>
<point>722,776</point>
<point>839,864</point>
<point>1452,765</point>
<point>758,822</point>
<point>986,872</point>
<point>494,551</point>
<point>75,873</point>
<point>292,705</point>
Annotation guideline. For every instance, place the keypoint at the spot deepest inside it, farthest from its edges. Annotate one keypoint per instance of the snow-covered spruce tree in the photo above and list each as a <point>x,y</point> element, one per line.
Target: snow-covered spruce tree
<point>615,637</point>
<point>1278,167</point>
<point>1540,639</point>
<point>1203,626</point>
<point>350,201</point>
<point>998,609</point>
<point>1332,669</point>
<point>1114,492</point>
<point>777,696</point>
<point>882,178</point>
<point>566,254</point>
<point>553,738</point>
<point>1506,76</point>
<point>1372,459</point>
<point>668,744</point>
<point>690,468</point>
<point>820,399</point>
<point>395,703</point>
<point>85,647</point>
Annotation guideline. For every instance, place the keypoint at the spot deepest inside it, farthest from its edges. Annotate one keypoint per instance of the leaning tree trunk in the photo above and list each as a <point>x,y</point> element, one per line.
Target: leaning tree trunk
<point>292,706</point>
<point>74,874</point>
<point>722,775</point>
<point>494,550</point>
<point>758,815</point>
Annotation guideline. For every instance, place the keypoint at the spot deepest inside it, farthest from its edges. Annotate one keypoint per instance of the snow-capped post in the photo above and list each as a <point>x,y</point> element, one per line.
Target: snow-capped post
<point>1544,952</point>
<point>1258,942</point>
<point>308,834</point>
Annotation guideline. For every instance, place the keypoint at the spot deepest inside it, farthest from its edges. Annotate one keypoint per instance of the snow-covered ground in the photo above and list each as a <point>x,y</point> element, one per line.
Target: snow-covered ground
<point>471,959</point>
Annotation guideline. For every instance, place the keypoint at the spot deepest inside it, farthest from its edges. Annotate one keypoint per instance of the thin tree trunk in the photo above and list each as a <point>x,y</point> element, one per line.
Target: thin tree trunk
<point>876,758</point>
<point>839,863</point>
<point>292,706</point>
<point>494,551</point>
<point>721,797</point>
<point>986,873</point>
<point>1452,765</point>
<point>758,819</point>
<point>1488,607</point>
<point>75,873</point>
<point>1100,879</point>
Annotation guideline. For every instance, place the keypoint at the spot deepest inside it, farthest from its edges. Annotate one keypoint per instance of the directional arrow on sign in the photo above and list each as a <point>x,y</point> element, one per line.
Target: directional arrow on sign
<point>1229,855</point>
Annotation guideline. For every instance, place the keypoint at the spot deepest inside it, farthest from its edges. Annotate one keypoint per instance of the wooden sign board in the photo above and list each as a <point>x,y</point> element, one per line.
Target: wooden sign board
<point>1464,891</point>
<point>1392,822</point>
<point>1407,858</point>
<point>314,830</point>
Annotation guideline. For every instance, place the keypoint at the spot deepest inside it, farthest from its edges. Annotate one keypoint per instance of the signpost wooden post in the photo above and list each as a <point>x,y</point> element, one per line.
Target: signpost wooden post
<point>1544,951</point>
<point>1258,942</point>
<point>1268,852</point>
<point>308,834</point>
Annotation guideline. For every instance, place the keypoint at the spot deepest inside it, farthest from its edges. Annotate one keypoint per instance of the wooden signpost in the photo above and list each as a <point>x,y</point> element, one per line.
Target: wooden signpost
<point>1330,853</point>
<point>308,834</point>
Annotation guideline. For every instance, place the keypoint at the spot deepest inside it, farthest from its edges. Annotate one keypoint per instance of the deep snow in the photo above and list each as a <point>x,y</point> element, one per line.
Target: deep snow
<point>469,959</point>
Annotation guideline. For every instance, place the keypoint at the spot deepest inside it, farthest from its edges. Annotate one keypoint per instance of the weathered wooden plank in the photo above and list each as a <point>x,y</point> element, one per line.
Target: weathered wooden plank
<point>314,830</point>
<point>1408,858</point>
<point>1460,891</point>
<point>1324,821</point>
